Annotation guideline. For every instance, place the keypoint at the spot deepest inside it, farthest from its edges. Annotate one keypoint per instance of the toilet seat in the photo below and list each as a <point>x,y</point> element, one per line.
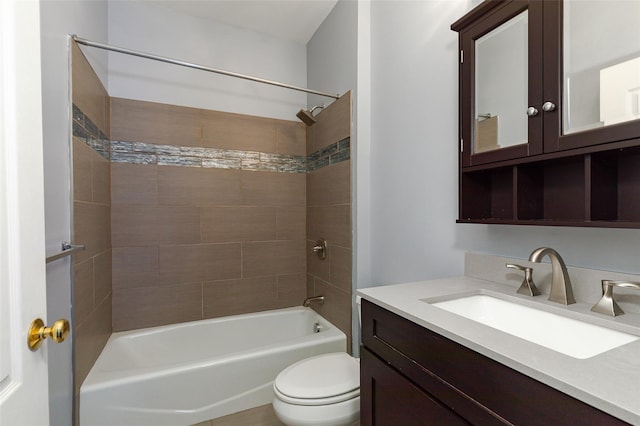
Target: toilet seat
<point>320,380</point>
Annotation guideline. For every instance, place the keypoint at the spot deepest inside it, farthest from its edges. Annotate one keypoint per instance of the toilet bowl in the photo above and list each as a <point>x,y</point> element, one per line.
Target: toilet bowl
<point>319,391</point>
<point>323,390</point>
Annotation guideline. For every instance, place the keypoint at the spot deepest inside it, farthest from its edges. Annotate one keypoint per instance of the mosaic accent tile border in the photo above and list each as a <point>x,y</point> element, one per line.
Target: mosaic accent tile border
<point>187,156</point>
<point>86,130</point>
<point>330,154</point>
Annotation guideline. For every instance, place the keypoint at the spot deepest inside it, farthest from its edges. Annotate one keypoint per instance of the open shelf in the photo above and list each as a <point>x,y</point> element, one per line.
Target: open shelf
<point>614,178</point>
<point>599,189</point>
<point>487,194</point>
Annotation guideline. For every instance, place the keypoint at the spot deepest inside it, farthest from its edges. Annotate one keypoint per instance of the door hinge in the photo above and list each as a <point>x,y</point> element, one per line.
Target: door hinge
<point>462,56</point>
<point>461,145</point>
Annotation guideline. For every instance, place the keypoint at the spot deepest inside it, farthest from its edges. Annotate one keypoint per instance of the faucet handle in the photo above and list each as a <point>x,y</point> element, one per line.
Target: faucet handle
<point>607,304</point>
<point>527,287</point>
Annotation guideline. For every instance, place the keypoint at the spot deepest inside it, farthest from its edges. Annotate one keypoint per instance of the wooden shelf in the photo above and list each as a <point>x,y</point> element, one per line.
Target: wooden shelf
<point>601,189</point>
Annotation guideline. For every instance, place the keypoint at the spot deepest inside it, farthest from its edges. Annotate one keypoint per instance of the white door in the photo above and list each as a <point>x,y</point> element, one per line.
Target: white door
<point>23,373</point>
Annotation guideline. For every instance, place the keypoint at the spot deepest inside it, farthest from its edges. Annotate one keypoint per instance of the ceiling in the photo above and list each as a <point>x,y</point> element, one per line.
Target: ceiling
<point>294,20</point>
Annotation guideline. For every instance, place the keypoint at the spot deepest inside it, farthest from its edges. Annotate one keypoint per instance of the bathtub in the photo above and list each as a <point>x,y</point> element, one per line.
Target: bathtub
<point>187,373</point>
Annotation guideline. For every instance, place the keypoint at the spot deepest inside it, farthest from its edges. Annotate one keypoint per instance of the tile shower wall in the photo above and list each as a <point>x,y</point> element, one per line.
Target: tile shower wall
<point>92,293</point>
<point>329,212</point>
<point>208,213</point>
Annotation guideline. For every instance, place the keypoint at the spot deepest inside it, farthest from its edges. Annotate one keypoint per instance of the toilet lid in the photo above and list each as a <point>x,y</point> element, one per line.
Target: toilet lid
<point>319,377</point>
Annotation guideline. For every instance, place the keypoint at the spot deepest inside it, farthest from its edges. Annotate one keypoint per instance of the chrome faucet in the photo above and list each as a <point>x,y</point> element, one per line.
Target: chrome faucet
<point>561,291</point>
<point>308,300</point>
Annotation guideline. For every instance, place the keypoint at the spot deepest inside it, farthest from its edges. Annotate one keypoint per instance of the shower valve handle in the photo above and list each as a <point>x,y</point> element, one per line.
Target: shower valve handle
<point>321,248</point>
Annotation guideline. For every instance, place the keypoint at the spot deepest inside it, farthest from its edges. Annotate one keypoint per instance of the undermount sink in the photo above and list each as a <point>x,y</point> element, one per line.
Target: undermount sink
<point>565,335</point>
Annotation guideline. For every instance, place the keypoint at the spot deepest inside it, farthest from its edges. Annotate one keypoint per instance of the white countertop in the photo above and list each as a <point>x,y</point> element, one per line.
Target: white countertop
<point>609,381</point>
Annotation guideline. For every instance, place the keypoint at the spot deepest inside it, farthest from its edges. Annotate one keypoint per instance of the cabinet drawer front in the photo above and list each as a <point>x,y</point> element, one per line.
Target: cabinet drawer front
<point>388,398</point>
<point>466,381</point>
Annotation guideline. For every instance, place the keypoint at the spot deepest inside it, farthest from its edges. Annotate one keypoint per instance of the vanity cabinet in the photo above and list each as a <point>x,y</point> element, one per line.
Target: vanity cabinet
<point>549,120</point>
<point>413,376</point>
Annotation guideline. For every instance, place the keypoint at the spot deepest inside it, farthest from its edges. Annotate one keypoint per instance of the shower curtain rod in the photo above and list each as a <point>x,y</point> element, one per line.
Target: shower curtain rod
<point>196,66</point>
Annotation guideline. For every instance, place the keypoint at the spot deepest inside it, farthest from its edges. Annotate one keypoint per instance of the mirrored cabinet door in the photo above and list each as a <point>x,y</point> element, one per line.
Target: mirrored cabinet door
<point>501,86</point>
<point>500,81</point>
<point>601,64</point>
<point>601,71</point>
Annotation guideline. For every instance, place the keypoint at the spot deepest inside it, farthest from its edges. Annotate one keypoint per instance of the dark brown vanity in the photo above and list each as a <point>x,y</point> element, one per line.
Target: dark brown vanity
<point>411,375</point>
<point>550,113</point>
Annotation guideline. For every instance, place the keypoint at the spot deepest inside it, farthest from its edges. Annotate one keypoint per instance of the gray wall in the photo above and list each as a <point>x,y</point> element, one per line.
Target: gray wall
<point>58,19</point>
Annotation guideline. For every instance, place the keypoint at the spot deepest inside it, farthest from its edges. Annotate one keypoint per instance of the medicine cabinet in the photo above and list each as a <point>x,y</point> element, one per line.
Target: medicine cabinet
<point>550,113</point>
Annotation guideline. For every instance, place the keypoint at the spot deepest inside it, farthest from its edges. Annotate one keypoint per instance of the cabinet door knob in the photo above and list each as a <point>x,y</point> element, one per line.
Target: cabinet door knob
<point>548,106</point>
<point>532,111</point>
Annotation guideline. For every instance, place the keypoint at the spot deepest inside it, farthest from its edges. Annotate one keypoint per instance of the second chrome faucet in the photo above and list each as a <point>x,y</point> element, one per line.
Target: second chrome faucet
<point>561,291</point>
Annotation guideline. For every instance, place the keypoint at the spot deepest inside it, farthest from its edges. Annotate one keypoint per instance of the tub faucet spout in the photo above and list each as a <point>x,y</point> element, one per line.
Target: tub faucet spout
<point>561,291</point>
<point>308,300</point>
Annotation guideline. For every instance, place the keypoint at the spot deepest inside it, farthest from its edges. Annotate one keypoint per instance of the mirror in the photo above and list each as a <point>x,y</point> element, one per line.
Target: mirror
<point>501,86</point>
<point>601,63</point>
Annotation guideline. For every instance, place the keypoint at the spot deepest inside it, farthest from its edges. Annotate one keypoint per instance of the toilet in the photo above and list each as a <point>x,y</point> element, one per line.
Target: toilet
<point>323,390</point>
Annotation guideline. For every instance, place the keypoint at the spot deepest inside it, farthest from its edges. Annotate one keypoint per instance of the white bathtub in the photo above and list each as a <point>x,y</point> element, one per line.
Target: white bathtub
<point>186,373</point>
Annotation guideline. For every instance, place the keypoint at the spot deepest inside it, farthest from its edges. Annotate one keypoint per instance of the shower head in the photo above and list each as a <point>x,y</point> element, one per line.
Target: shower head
<point>307,115</point>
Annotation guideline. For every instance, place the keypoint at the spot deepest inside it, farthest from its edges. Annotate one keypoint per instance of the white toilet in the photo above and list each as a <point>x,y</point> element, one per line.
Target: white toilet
<point>323,390</point>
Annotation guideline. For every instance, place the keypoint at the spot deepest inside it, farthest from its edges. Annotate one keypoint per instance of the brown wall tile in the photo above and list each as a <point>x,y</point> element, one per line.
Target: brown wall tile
<point>150,306</point>
<point>91,226</point>
<point>87,90</point>
<point>135,267</point>
<point>134,184</point>
<point>292,290</point>
<point>330,185</point>
<point>180,186</point>
<point>100,179</point>
<point>198,186</point>
<point>273,189</point>
<point>81,171</point>
<point>199,262</point>
<point>234,297</point>
<point>90,338</point>
<point>341,260</point>
<point>273,258</point>
<point>262,216</point>
<point>291,223</point>
<point>331,222</point>
<point>336,307</point>
<point>83,301</point>
<point>291,138</point>
<point>141,225</point>
<point>238,132</point>
<point>332,124</point>
<point>315,265</point>
<point>329,217</point>
<point>102,276</point>
<point>178,225</point>
<point>133,225</point>
<point>150,122</point>
<point>228,224</point>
